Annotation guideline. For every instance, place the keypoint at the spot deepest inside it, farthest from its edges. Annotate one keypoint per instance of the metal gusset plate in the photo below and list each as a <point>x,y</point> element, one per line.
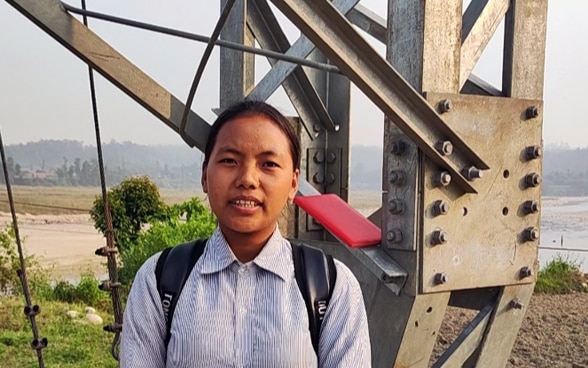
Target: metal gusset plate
<point>488,239</point>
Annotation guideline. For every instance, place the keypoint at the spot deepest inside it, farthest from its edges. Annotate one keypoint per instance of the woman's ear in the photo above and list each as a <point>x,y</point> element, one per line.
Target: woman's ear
<point>204,180</point>
<point>294,188</point>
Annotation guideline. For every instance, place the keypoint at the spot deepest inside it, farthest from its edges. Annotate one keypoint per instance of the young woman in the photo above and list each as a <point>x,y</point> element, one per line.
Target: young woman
<point>241,305</point>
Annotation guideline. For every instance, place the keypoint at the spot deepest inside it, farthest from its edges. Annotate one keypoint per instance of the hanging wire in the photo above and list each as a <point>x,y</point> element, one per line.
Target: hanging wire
<point>195,37</point>
<point>38,344</point>
<point>209,47</point>
<point>110,250</point>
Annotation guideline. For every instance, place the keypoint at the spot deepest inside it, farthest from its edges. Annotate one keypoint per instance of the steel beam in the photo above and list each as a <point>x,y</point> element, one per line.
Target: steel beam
<point>524,49</point>
<point>281,70</point>
<point>237,69</point>
<point>467,342</point>
<point>335,36</point>
<point>50,16</point>
<point>480,21</point>
<point>269,35</point>
<point>369,22</point>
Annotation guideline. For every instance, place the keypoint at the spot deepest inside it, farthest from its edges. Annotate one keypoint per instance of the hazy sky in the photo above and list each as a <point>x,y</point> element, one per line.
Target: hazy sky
<point>44,91</point>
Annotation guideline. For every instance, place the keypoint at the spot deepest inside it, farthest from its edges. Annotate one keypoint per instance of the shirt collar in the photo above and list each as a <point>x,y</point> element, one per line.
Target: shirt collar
<point>275,257</point>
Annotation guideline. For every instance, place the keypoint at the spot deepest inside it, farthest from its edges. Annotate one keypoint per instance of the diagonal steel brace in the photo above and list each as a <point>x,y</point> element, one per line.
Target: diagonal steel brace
<point>50,16</point>
<point>332,33</point>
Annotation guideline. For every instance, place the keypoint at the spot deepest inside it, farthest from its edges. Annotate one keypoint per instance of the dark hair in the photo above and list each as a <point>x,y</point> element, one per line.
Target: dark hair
<point>245,108</point>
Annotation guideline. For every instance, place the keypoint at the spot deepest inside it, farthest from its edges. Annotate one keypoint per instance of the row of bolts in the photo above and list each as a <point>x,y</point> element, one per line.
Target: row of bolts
<point>443,179</point>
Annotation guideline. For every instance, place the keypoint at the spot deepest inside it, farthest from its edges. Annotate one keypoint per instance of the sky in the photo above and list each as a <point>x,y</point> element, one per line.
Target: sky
<point>44,89</point>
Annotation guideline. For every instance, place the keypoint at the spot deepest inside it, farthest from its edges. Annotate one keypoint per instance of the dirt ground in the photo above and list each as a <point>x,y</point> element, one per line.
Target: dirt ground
<point>554,332</point>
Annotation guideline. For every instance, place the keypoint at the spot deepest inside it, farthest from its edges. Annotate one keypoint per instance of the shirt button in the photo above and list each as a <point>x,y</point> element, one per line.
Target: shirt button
<point>242,310</point>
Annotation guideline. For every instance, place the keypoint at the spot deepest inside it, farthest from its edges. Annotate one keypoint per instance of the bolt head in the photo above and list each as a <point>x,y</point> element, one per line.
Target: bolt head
<point>525,272</point>
<point>440,207</point>
<point>471,173</point>
<point>439,237</point>
<point>445,106</point>
<point>445,148</point>
<point>440,278</point>
<point>318,178</point>
<point>532,112</point>
<point>396,177</point>
<point>319,157</point>
<point>531,207</point>
<point>516,303</point>
<point>533,152</point>
<point>442,179</point>
<point>395,206</point>
<point>394,236</point>
<point>317,128</point>
<point>331,157</point>
<point>531,234</point>
<point>533,180</point>
<point>397,147</point>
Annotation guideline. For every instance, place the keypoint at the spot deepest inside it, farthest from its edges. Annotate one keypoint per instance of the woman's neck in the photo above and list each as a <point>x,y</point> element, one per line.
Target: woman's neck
<point>245,247</point>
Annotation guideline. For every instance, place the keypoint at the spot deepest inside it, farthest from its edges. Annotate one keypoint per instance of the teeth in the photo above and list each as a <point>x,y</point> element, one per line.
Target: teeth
<point>243,203</point>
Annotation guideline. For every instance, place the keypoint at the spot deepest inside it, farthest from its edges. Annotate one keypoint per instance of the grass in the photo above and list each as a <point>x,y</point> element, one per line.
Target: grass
<point>560,276</point>
<point>71,343</point>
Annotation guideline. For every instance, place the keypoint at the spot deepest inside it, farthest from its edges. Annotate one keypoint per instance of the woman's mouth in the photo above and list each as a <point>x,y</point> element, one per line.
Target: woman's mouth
<point>245,203</point>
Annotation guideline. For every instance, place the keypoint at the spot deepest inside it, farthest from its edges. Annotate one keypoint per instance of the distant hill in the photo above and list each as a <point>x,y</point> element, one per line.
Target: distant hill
<point>68,162</point>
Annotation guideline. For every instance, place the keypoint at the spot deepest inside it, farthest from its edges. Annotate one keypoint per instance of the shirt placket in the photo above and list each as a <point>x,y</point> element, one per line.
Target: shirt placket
<point>243,304</point>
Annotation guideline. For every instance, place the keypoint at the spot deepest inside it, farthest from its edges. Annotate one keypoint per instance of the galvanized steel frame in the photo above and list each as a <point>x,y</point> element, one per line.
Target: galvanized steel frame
<point>431,48</point>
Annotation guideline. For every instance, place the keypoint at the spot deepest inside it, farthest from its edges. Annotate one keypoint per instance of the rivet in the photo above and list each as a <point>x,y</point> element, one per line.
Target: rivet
<point>530,234</point>
<point>440,207</point>
<point>317,128</point>
<point>395,206</point>
<point>442,179</point>
<point>445,106</point>
<point>440,278</point>
<point>532,112</point>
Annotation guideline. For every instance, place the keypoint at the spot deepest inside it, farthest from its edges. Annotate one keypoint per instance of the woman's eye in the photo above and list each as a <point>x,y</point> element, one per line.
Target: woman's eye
<point>271,164</point>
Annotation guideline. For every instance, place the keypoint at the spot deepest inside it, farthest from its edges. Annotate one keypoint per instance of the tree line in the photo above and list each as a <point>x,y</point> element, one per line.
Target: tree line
<point>72,163</point>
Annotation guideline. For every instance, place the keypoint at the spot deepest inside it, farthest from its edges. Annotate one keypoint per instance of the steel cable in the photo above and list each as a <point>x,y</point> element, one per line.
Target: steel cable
<point>110,250</point>
<point>38,344</point>
<point>209,47</point>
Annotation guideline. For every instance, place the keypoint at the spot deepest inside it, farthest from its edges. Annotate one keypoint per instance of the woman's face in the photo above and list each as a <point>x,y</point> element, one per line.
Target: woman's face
<point>249,177</point>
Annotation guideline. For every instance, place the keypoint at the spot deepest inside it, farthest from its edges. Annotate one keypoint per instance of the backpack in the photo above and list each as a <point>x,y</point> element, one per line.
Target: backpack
<point>314,270</point>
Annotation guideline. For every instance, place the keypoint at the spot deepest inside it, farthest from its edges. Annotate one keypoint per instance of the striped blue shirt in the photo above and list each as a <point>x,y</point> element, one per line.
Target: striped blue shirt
<point>232,314</point>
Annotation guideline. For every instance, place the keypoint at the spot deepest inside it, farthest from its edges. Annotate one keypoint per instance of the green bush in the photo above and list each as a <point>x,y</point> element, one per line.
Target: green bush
<point>560,276</point>
<point>181,223</point>
<point>133,203</point>
<point>85,292</point>
<point>37,278</point>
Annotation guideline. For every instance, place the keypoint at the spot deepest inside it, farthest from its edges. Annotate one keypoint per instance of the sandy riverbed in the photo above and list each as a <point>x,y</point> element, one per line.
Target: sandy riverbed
<point>63,243</point>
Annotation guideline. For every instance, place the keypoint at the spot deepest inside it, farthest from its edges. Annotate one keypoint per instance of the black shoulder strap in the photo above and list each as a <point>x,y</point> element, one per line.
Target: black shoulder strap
<point>173,268</point>
<point>315,274</point>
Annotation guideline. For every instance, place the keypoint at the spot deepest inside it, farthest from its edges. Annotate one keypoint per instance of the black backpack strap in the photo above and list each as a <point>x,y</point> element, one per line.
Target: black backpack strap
<point>315,274</point>
<point>173,268</point>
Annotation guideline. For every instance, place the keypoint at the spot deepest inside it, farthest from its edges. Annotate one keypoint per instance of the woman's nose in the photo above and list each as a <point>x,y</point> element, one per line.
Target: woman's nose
<point>248,176</point>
